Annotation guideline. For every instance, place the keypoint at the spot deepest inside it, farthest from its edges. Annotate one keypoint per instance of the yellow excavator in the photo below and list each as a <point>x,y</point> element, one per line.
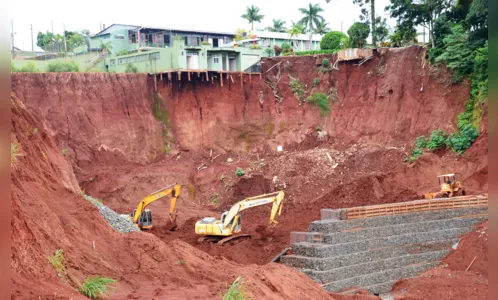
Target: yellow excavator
<point>230,221</point>
<point>142,217</point>
<point>450,187</point>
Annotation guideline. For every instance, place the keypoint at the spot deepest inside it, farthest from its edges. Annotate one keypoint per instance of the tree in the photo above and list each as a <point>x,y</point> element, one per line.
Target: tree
<point>278,26</point>
<point>321,27</point>
<point>50,42</point>
<point>358,34</point>
<point>372,16</point>
<point>73,40</point>
<point>477,22</point>
<point>311,16</point>
<point>457,54</point>
<point>332,40</point>
<point>381,29</point>
<point>420,12</point>
<point>296,29</point>
<point>252,15</point>
<point>403,35</point>
<point>107,47</point>
<point>86,36</point>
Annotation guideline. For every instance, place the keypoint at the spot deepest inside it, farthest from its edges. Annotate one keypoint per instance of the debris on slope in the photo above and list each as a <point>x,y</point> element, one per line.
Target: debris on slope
<point>117,221</point>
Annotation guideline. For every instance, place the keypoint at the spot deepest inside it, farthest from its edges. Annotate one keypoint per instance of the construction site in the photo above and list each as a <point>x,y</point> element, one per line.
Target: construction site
<point>185,184</point>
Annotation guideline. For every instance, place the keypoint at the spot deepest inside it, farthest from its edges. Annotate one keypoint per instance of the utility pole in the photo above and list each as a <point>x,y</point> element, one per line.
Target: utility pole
<point>12,37</point>
<point>32,43</point>
<point>341,26</point>
<point>65,44</point>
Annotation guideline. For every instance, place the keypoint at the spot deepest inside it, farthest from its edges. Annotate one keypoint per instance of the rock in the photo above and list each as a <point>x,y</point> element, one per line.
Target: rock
<point>229,160</point>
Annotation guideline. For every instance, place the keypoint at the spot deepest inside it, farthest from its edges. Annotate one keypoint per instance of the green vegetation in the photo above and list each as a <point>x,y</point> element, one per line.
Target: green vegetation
<point>95,287</point>
<point>214,199</point>
<point>106,46</point>
<point>311,17</point>
<point>59,67</point>
<point>321,27</point>
<point>269,51</point>
<point>35,131</point>
<point>240,172</point>
<point>286,49</point>
<point>332,41</point>
<point>358,34</point>
<point>254,46</point>
<point>313,52</point>
<point>403,35</point>
<point>14,153</point>
<point>326,62</point>
<point>368,19</point>
<point>316,81</point>
<point>236,291</point>
<point>252,15</point>
<point>321,101</point>
<point>27,68</point>
<point>130,68</point>
<point>206,43</point>
<point>325,67</point>
<point>278,26</point>
<point>57,261</point>
<point>297,88</point>
<point>122,52</point>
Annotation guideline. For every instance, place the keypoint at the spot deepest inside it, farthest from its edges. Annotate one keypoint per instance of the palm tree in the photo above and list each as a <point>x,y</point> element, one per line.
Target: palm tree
<point>107,47</point>
<point>311,16</point>
<point>321,27</point>
<point>278,26</point>
<point>252,15</point>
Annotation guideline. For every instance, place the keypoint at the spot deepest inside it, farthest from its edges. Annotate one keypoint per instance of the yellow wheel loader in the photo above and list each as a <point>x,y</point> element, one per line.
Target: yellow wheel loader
<point>142,217</point>
<point>450,187</point>
<point>222,230</point>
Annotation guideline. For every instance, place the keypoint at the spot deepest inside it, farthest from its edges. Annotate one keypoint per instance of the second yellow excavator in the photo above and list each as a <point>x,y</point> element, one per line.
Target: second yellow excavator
<point>230,221</point>
<point>142,217</point>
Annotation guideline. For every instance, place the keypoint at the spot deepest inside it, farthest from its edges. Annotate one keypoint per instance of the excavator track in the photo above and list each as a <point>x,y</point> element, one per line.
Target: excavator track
<point>234,237</point>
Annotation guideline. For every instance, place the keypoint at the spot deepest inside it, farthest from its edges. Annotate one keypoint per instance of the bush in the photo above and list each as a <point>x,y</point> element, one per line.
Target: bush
<point>29,68</point>
<point>95,287</point>
<point>321,101</point>
<point>437,140</point>
<point>313,52</point>
<point>240,172</point>
<point>206,43</point>
<point>286,49</point>
<point>254,46</point>
<point>59,67</point>
<point>269,51</point>
<point>462,140</point>
<point>297,88</point>
<point>332,40</point>
<point>326,62</point>
<point>122,52</point>
<point>130,68</point>
<point>316,81</point>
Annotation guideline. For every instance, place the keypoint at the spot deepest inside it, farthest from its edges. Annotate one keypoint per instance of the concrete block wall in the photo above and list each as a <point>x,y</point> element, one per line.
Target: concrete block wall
<point>373,253</point>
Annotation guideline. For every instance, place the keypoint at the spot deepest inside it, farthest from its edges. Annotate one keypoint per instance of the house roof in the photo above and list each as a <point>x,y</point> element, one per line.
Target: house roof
<point>286,36</point>
<point>125,26</point>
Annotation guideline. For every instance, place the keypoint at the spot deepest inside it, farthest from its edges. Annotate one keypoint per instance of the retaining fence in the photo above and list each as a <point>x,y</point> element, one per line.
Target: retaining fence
<point>404,207</point>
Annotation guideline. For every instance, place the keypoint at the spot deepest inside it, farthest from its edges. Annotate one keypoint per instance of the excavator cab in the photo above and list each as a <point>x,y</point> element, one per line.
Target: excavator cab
<point>238,225</point>
<point>145,220</point>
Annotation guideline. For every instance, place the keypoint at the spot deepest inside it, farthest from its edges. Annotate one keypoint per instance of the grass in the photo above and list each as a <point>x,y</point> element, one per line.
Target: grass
<point>236,291</point>
<point>95,287</point>
<point>57,261</point>
<point>14,153</point>
<point>321,101</point>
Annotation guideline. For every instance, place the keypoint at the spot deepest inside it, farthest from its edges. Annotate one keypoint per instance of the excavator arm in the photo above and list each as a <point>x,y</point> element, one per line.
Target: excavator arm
<point>174,190</point>
<point>276,198</point>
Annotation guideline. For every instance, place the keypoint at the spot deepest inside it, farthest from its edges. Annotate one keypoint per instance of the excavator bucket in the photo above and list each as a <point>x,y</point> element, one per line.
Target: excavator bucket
<point>171,224</point>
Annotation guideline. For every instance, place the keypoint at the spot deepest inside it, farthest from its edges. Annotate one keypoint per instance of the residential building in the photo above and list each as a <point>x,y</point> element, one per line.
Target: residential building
<point>300,42</point>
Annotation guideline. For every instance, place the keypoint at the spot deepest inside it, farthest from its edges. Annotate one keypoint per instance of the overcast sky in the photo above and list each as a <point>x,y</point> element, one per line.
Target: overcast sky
<point>217,15</point>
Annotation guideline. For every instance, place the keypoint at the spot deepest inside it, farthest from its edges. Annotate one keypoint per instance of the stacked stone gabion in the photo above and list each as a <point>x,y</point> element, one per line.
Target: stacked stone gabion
<point>118,222</point>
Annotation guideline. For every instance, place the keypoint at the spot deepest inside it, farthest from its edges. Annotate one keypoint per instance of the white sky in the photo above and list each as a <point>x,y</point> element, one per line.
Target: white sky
<point>216,15</point>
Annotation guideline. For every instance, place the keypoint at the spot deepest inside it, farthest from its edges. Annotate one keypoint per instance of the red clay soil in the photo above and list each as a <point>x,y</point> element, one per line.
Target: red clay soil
<point>462,275</point>
<point>49,213</point>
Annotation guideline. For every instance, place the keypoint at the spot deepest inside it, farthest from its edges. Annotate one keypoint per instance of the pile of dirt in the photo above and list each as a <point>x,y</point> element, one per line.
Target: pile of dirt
<point>49,213</point>
<point>463,273</point>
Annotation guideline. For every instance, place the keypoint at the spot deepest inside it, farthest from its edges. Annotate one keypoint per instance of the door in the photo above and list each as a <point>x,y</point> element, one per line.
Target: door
<point>232,64</point>
<point>193,61</point>
<point>215,43</point>
<point>224,62</point>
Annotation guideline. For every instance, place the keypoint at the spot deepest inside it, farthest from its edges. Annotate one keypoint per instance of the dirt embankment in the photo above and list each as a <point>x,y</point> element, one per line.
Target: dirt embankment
<point>124,142</point>
<point>49,213</point>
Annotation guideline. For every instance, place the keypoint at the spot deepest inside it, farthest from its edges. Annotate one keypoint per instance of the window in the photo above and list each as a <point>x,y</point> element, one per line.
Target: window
<point>132,37</point>
<point>119,36</point>
<point>216,59</point>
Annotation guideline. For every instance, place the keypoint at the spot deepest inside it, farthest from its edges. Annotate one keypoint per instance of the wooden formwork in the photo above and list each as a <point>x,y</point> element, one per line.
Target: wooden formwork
<point>415,206</point>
